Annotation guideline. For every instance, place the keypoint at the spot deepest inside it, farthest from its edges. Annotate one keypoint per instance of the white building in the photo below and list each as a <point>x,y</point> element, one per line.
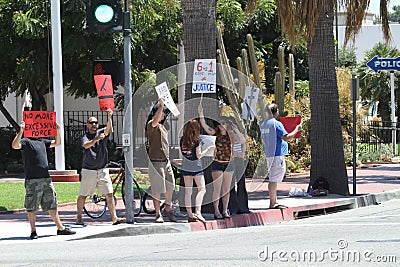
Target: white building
<point>369,35</point>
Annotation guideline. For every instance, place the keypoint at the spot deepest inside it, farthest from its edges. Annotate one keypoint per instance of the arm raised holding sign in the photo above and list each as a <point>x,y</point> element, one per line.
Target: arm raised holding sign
<point>38,184</point>
<point>203,123</point>
<point>16,144</point>
<point>57,140</point>
<point>109,122</point>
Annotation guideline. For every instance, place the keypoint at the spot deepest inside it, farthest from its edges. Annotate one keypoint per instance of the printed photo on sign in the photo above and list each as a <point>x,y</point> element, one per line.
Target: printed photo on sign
<point>250,103</point>
<point>204,76</point>
<point>165,95</point>
<point>105,91</point>
<point>39,124</point>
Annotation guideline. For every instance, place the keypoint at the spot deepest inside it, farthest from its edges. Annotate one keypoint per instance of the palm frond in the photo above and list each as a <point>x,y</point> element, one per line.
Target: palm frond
<point>385,20</point>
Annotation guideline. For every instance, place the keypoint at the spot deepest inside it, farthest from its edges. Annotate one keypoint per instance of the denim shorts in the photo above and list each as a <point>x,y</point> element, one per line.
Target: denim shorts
<point>222,167</point>
<point>195,173</point>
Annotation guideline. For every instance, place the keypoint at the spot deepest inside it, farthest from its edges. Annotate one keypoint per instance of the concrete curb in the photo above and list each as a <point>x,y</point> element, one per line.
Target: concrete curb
<point>255,218</point>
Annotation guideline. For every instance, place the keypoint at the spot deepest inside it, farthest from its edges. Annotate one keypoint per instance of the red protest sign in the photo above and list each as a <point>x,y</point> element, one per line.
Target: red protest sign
<point>104,91</point>
<point>40,124</point>
<point>290,124</point>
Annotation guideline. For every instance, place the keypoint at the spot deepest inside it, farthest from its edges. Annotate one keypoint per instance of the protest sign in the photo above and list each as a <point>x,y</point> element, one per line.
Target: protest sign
<point>165,95</point>
<point>207,141</point>
<point>40,124</point>
<point>104,91</point>
<point>250,103</point>
<point>290,124</point>
<point>204,76</point>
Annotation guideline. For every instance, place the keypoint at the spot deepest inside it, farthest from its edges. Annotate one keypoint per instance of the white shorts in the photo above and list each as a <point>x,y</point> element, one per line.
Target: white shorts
<point>276,168</point>
<point>90,179</point>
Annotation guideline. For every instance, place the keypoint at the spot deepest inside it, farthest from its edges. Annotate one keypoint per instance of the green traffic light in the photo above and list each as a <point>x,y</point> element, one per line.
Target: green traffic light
<point>104,13</point>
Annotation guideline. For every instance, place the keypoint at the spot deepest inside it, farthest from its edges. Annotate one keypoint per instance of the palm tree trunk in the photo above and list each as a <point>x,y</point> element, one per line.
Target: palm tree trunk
<point>327,156</point>
<point>199,40</point>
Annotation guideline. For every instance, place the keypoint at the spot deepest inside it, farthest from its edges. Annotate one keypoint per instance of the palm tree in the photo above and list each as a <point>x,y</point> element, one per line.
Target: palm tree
<point>376,86</point>
<point>314,18</point>
<point>199,40</point>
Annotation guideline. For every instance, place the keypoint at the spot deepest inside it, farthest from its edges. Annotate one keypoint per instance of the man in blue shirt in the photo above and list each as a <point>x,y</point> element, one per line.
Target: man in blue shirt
<point>275,138</point>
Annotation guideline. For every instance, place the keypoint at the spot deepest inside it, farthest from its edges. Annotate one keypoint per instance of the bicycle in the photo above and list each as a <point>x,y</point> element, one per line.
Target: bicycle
<point>96,205</point>
<point>148,206</point>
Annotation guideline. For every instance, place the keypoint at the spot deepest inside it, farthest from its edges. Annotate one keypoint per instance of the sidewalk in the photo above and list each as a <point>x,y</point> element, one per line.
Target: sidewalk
<point>375,184</point>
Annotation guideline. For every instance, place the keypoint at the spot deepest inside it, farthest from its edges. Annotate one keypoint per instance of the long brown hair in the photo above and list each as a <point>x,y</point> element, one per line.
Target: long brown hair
<point>191,134</point>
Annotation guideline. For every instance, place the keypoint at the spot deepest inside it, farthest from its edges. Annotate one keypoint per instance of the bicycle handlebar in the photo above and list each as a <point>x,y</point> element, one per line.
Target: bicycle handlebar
<point>119,164</point>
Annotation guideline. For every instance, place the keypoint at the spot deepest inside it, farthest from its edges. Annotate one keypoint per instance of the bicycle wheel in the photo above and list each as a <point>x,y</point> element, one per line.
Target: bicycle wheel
<point>137,196</point>
<point>148,205</point>
<point>95,206</point>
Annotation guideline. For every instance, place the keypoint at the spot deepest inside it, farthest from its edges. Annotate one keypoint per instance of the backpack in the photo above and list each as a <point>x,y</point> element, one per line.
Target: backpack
<point>321,187</point>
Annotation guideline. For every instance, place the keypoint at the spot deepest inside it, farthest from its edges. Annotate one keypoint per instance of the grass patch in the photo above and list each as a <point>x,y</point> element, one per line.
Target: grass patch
<point>13,194</point>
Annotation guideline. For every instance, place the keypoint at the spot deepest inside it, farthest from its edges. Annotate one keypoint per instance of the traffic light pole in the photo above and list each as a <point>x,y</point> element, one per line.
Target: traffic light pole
<point>128,149</point>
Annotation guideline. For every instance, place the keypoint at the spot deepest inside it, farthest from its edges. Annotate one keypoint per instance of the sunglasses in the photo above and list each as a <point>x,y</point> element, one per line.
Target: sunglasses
<point>93,122</point>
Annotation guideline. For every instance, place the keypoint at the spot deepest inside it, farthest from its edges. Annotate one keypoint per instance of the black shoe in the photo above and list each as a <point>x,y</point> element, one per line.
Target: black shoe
<point>33,235</point>
<point>65,231</point>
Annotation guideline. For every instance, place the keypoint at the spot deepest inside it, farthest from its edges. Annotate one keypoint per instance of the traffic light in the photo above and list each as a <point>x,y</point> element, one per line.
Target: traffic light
<point>103,16</point>
<point>111,67</point>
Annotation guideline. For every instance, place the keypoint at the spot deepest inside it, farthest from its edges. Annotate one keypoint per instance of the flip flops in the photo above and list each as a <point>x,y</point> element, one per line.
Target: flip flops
<point>279,206</point>
<point>119,221</point>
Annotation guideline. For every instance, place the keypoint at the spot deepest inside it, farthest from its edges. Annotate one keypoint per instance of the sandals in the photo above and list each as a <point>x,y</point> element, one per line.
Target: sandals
<point>226,215</point>
<point>218,216</point>
<point>119,221</point>
<point>192,219</point>
<point>279,206</point>
<point>199,218</point>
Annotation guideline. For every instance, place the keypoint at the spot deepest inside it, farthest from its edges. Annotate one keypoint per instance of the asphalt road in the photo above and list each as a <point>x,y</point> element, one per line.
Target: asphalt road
<point>367,236</point>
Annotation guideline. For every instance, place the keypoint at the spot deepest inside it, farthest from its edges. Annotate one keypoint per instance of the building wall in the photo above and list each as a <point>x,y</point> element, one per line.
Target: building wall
<point>368,37</point>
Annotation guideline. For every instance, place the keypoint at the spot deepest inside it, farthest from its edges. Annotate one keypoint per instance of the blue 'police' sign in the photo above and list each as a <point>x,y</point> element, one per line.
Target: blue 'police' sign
<point>377,63</point>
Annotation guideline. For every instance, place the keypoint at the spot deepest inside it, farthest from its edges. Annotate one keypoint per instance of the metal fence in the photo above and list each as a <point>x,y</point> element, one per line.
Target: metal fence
<point>75,126</point>
<point>376,135</point>
<point>380,133</point>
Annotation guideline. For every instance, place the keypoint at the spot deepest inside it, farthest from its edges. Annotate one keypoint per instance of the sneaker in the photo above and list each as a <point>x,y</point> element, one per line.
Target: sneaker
<point>171,216</point>
<point>159,219</point>
<point>65,231</point>
<point>33,235</point>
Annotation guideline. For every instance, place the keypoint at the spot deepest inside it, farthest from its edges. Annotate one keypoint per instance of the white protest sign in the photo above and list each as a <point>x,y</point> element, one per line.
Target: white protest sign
<point>250,103</point>
<point>165,95</point>
<point>204,76</point>
<point>207,141</point>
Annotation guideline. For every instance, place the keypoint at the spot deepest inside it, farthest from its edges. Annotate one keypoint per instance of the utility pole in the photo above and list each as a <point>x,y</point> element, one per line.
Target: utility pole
<point>57,79</point>
<point>127,140</point>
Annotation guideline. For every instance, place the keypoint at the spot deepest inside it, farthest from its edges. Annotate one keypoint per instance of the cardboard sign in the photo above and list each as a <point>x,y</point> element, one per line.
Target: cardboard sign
<point>290,124</point>
<point>40,124</point>
<point>165,95</point>
<point>250,103</point>
<point>104,91</point>
<point>204,76</point>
